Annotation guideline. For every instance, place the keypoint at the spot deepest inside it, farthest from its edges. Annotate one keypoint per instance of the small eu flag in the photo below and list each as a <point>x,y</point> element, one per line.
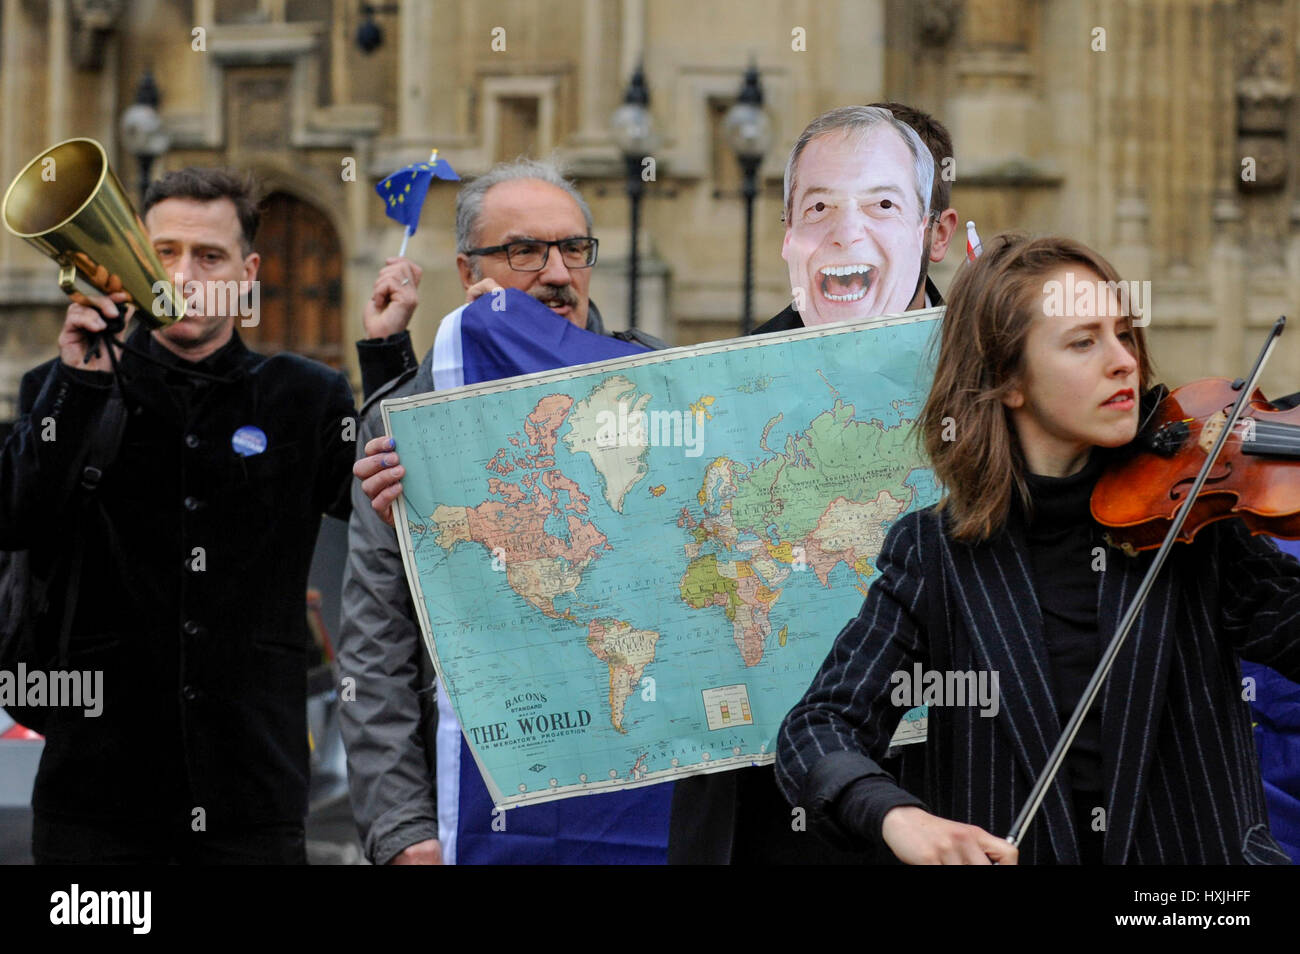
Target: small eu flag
<point>403,192</point>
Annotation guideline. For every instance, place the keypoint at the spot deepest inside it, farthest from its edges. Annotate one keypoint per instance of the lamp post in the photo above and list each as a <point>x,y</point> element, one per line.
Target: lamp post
<point>748,133</point>
<point>634,134</point>
<point>143,135</point>
<point>370,36</point>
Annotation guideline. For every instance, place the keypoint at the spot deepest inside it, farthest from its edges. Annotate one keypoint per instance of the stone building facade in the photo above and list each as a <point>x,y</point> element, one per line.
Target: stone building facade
<point>1156,130</point>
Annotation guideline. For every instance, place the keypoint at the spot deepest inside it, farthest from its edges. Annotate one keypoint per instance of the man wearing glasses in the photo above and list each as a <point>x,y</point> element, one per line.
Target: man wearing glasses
<point>555,272</point>
<point>521,225</point>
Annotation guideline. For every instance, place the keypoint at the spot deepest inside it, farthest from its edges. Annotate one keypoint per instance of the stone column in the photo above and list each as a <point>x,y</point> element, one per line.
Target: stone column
<point>1227,261</point>
<point>595,76</point>
<point>995,106</point>
<point>1132,248</point>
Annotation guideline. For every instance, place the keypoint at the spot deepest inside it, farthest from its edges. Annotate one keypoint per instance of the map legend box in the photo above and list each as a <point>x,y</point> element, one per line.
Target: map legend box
<point>727,706</point>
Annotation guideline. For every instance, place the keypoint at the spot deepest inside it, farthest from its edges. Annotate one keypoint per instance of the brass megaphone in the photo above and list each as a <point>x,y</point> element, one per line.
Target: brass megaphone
<point>68,203</point>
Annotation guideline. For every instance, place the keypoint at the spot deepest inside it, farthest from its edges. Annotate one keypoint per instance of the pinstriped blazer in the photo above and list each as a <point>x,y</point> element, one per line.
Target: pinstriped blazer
<point>1182,781</point>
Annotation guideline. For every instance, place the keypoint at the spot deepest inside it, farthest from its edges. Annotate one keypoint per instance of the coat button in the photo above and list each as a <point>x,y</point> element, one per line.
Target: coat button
<point>190,693</point>
<point>191,441</point>
<point>192,504</point>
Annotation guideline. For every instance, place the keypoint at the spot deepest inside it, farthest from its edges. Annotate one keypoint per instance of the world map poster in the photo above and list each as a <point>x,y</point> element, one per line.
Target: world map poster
<point>629,571</point>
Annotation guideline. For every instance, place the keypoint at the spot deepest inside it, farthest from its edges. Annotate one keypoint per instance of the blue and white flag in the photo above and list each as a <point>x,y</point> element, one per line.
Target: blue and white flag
<point>508,332</point>
<point>500,335</point>
<point>1275,712</point>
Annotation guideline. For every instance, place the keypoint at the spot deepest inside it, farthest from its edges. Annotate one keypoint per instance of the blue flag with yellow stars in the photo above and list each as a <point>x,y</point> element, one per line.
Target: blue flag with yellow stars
<point>403,192</point>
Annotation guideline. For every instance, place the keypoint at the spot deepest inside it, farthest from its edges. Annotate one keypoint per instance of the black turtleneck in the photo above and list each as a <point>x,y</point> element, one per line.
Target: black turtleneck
<point>212,364</point>
<point>1061,536</point>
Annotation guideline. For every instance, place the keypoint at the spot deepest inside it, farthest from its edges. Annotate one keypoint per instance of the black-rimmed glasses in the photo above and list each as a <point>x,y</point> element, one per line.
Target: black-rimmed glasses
<point>530,255</point>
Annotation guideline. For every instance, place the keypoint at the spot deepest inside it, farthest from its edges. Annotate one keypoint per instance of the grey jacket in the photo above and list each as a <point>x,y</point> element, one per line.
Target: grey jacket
<point>388,726</point>
<point>389,745</point>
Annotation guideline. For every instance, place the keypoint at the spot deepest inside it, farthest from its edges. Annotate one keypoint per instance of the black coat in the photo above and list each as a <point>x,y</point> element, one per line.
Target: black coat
<point>789,319</point>
<point>203,651</point>
<point>1182,781</point>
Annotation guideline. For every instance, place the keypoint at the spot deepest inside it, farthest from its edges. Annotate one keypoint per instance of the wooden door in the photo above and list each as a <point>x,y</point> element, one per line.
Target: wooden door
<point>301,282</point>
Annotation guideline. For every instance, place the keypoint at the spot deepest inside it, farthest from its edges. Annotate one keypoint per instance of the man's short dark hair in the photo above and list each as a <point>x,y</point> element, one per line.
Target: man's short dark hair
<point>207,185</point>
<point>938,140</point>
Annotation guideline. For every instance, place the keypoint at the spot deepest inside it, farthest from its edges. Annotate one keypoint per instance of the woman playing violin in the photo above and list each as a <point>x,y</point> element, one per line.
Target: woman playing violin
<point>1008,583</point>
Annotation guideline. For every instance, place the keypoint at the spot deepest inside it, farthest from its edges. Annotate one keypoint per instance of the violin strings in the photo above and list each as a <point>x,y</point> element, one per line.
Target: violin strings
<point>1263,436</point>
<point>1284,436</point>
<point>1260,427</point>
<point>1275,436</point>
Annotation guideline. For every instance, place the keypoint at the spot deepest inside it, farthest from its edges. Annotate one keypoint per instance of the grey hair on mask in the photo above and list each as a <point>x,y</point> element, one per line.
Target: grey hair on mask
<point>469,200</point>
<point>859,121</point>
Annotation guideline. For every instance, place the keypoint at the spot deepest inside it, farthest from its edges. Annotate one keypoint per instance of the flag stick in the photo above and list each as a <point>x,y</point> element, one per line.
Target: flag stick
<point>973,244</point>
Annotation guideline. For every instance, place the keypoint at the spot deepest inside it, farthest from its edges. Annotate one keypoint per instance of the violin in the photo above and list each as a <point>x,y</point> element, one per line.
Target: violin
<point>1256,476</point>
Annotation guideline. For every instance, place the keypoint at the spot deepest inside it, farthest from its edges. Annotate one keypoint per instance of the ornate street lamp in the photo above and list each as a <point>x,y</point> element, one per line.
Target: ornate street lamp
<point>748,133</point>
<point>142,130</point>
<point>634,133</point>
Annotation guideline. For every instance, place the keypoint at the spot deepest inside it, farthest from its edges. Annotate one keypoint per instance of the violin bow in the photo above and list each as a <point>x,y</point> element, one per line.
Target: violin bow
<point>1057,758</point>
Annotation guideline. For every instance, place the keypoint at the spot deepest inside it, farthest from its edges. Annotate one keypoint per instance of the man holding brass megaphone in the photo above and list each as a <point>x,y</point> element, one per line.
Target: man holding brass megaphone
<point>167,491</point>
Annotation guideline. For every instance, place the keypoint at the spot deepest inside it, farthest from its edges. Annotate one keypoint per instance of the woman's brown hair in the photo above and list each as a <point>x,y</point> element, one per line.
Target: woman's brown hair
<point>965,429</point>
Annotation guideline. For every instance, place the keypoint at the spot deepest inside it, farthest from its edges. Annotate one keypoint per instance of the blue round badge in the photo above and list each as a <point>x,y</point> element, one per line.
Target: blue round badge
<point>248,440</point>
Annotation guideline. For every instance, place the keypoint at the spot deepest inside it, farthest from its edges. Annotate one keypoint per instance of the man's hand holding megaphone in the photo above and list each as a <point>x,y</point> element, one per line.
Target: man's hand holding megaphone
<point>79,345</point>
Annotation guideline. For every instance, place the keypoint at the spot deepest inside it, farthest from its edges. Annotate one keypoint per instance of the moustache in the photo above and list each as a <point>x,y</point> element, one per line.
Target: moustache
<point>555,295</point>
